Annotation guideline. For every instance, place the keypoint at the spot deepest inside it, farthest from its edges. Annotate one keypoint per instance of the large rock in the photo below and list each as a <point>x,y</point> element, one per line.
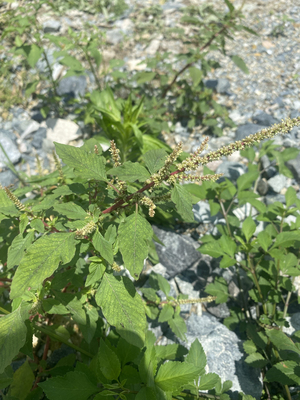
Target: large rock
<point>178,252</point>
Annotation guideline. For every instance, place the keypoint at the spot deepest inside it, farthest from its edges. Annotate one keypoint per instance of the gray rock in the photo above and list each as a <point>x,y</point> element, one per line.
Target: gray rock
<point>231,170</point>
<point>7,178</point>
<point>38,137</point>
<point>11,150</point>
<point>262,118</point>
<point>262,187</point>
<point>221,85</point>
<point>294,167</point>
<point>270,199</point>
<point>295,114</point>
<point>270,171</point>
<point>246,130</point>
<point>277,183</point>
<point>178,252</point>
<point>202,213</point>
<point>72,86</point>
<point>51,26</point>
<point>224,357</point>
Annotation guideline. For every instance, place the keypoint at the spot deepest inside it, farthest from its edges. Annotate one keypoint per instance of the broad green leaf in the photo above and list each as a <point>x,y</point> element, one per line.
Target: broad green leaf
<point>96,271</point>
<point>228,245</point>
<point>218,288</point>
<point>248,228</point>
<point>212,248</point>
<point>155,159</point>
<point>290,196</point>
<point>126,351</point>
<point>122,307</point>
<point>285,372</point>
<point>22,382</point>
<point>245,181</point>
<point>166,313</point>
<point>41,260</point>
<point>38,225</point>
<point>256,360</point>
<point>227,262</point>
<point>239,62</point>
<point>249,347</point>
<point>289,265</point>
<point>174,374</point>
<point>286,239</point>
<point>33,53</point>
<point>134,235</point>
<point>71,62</point>
<point>146,393</point>
<point>196,74</point>
<point>108,362</point>
<point>88,330</point>
<point>72,386</point>
<point>103,246</point>
<point>281,340</point>
<point>6,377</point>
<point>88,165</point>
<point>12,337</point>
<point>163,284</point>
<point>183,202</point>
<point>167,352</point>
<point>70,210</point>
<point>208,381</point>
<point>178,326</point>
<point>17,248</point>
<point>148,365</point>
<point>97,56</point>
<point>130,172</point>
<point>264,239</point>
<point>144,77</point>
<point>74,305</point>
<point>7,207</point>
<point>196,355</point>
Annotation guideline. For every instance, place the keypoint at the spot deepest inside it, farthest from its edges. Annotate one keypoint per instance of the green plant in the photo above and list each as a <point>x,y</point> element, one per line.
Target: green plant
<point>62,253</point>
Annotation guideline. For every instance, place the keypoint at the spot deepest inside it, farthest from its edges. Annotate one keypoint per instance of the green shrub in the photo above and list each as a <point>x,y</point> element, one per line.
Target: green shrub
<point>62,252</point>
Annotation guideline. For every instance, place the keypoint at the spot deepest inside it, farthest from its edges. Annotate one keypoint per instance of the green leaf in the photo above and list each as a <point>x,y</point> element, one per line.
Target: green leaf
<point>108,362</point>
<point>88,330</point>
<point>22,382</point>
<point>103,246</point>
<point>248,228</point>
<point>264,239</point>
<point>178,326</point>
<point>88,165</point>
<point>281,340</point>
<point>290,196</point>
<point>155,159</point>
<point>33,54</point>
<point>72,386</point>
<point>212,248</point>
<point>166,313</point>
<point>229,5</point>
<point>286,372</point>
<point>163,284</point>
<point>183,202</point>
<point>122,307</point>
<point>208,381</point>
<point>148,365</point>
<point>144,77</point>
<point>38,225</point>
<point>71,62</point>
<point>130,172</point>
<point>196,355</point>
<point>219,289</point>
<point>245,181</point>
<point>6,377</point>
<point>146,393</point>
<point>286,239</point>
<point>96,271</point>
<point>7,207</point>
<point>41,260</point>
<point>196,74</point>
<point>249,347</point>
<point>12,337</point>
<point>134,235</point>
<point>256,360</point>
<point>74,306</point>
<point>173,375</point>
<point>70,210</point>
<point>239,62</point>
<point>96,56</point>
<point>17,248</point>
<point>126,351</point>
